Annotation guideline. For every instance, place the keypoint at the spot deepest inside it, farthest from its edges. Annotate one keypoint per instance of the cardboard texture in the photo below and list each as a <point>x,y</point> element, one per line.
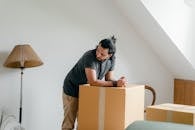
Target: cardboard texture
<point>110,108</point>
<point>168,112</point>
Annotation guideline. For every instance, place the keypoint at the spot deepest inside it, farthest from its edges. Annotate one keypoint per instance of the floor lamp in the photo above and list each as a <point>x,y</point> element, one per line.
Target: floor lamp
<point>22,56</point>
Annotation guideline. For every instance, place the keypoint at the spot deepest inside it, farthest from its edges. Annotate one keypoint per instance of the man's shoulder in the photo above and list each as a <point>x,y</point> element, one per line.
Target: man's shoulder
<point>89,54</point>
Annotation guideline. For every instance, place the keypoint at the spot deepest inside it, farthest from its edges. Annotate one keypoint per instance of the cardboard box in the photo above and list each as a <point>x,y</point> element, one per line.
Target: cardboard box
<point>168,112</point>
<point>110,108</point>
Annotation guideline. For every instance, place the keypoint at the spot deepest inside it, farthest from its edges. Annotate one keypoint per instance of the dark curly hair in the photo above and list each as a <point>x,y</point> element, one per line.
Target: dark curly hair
<point>109,43</point>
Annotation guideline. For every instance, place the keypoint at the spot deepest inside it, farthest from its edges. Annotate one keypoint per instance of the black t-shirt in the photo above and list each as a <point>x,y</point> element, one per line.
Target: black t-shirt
<point>77,75</point>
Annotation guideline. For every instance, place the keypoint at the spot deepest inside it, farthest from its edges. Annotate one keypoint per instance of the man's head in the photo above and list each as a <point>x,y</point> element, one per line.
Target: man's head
<point>106,49</point>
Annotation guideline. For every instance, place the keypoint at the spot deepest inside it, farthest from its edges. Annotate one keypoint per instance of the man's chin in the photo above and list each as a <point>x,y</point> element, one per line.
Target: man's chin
<point>98,59</point>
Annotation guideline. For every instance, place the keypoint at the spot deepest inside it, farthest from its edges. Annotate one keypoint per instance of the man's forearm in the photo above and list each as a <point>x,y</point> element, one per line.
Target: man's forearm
<point>103,83</point>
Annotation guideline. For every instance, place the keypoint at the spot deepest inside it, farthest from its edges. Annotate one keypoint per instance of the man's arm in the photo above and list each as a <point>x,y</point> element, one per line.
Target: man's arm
<point>92,79</point>
<point>109,76</point>
<point>120,82</point>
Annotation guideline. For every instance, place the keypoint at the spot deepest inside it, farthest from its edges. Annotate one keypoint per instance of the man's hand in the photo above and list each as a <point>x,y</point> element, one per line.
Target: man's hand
<point>121,82</point>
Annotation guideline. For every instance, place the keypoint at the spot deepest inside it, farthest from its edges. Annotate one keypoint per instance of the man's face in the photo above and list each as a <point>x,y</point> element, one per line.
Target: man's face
<point>102,53</point>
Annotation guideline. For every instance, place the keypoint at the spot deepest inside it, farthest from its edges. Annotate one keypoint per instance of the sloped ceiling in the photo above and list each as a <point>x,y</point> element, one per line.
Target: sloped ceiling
<point>160,43</point>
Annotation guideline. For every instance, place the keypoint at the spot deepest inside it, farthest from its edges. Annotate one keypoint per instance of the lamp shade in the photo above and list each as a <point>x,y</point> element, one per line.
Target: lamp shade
<point>22,56</point>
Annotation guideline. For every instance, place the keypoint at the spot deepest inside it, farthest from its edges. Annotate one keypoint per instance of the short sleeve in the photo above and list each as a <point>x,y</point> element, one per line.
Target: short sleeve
<point>89,61</point>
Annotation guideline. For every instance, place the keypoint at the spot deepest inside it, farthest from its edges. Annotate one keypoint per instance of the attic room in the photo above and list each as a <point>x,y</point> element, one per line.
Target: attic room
<point>154,46</point>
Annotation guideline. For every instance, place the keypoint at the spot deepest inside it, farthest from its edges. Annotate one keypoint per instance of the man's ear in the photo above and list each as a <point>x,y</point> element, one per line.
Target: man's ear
<point>110,55</point>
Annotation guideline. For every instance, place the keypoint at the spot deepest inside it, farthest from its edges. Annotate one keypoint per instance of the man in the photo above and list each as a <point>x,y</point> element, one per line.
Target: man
<point>91,68</point>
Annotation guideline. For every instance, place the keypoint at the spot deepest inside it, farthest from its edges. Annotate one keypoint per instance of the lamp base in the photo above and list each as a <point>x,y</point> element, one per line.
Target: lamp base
<point>19,128</point>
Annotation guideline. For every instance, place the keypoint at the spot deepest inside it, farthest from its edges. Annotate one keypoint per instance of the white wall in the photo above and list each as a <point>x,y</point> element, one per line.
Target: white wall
<point>60,31</point>
<point>177,20</point>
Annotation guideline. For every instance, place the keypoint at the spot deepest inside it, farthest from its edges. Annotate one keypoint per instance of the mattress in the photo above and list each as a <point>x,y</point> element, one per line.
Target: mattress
<point>156,125</point>
<point>9,122</point>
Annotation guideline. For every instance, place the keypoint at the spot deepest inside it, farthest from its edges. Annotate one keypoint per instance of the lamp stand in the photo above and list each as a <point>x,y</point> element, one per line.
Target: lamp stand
<point>21,95</point>
<point>22,56</point>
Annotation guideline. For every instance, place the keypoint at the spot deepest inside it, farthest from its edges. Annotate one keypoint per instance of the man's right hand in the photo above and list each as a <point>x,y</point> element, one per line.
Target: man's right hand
<point>121,82</point>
